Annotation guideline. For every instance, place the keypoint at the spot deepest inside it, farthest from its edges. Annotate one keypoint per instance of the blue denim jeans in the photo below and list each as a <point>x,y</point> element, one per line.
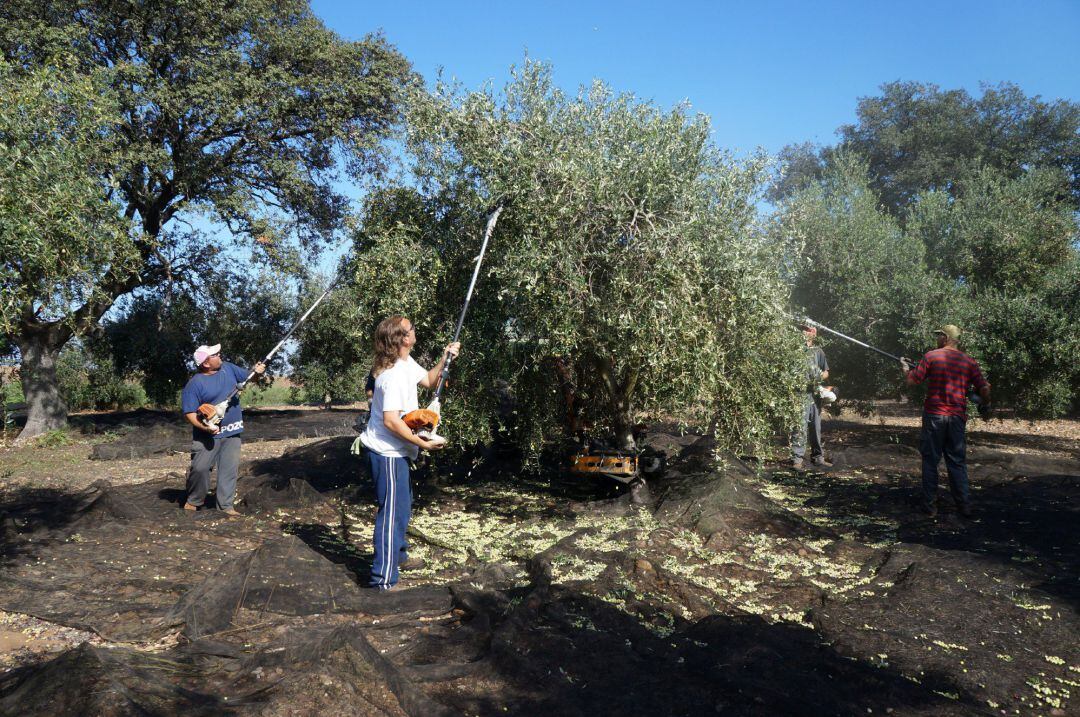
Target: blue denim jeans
<point>944,436</point>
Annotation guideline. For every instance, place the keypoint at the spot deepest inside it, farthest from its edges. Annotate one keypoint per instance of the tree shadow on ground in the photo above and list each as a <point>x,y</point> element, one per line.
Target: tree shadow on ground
<point>335,548</point>
<point>1025,522</point>
<point>327,465</point>
<point>864,434</point>
<point>34,514</point>
<point>555,650</point>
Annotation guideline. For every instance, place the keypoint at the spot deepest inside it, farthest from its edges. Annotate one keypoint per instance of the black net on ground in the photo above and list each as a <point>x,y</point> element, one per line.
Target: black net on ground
<point>152,433</point>
<point>927,611</point>
<point>284,576</point>
<point>733,592</point>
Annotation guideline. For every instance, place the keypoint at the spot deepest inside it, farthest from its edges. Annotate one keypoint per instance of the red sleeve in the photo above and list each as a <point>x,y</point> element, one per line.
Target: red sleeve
<point>918,374</point>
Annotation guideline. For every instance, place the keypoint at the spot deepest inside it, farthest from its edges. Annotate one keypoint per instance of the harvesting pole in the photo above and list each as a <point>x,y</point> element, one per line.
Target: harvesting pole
<point>807,321</point>
<point>491,220</point>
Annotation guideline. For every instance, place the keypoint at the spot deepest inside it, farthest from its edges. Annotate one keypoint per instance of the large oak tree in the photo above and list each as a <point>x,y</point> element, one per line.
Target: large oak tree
<point>237,113</point>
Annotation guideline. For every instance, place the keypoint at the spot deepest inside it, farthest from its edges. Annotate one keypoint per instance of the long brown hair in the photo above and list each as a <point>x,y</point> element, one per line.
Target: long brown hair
<point>389,336</point>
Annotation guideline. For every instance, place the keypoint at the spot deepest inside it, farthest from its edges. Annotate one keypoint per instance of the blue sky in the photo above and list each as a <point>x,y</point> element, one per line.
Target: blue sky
<point>767,73</point>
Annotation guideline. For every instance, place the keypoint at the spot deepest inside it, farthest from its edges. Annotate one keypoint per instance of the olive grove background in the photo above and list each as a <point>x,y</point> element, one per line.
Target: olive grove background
<point>173,174</point>
<point>937,207</point>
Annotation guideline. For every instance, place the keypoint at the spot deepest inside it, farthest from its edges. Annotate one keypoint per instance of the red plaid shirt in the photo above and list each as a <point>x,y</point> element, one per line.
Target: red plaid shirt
<point>948,374</point>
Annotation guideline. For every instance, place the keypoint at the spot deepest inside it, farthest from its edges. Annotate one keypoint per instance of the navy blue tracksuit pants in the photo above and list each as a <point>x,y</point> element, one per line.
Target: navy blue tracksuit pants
<point>944,436</point>
<point>394,497</point>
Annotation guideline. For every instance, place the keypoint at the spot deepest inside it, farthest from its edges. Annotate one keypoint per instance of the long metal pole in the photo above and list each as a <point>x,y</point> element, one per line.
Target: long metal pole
<point>810,322</point>
<point>266,359</point>
<point>492,219</point>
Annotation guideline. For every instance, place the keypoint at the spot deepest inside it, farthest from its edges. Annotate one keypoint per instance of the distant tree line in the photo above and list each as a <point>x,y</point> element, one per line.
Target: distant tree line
<point>938,207</point>
<point>171,173</point>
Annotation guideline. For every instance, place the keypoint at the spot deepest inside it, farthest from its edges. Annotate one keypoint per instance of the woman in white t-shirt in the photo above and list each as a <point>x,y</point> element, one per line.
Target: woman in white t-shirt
<point>391,443</point>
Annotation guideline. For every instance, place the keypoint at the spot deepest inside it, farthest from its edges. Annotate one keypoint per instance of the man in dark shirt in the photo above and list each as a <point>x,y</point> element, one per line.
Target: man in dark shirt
<point>948,373</point>
<point>214,445</point>
<point>817,370</point>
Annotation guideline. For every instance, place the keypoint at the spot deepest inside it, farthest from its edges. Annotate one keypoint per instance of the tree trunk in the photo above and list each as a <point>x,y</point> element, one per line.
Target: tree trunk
<point>46,409</point>
<point>622,423</point>
<point>622,417</point>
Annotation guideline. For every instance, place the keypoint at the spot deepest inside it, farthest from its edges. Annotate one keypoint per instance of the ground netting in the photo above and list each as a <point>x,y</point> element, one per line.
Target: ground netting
<point>149,433</point>
<point>730,592</point>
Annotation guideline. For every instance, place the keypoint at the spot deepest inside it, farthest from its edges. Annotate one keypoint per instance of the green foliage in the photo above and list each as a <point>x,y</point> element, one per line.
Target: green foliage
<point>276,394</point>
<point>857,272</point>
<point>998,260</point>
<point>1029,347</point>
<point>10,394</point>
<point>629,250</point>
<point>1029,341</point>
<point>235,107</point>
<point>917,137</point>
<point>89,380</point>
<point>237,114</point>
<point>154,341</point>
<point>57,438</point>
<point>61,235</point>
<point>155,335</point>
<point>996,232</point>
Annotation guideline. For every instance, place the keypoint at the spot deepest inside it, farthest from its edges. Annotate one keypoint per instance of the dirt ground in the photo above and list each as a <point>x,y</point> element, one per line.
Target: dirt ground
<point>744,588</point>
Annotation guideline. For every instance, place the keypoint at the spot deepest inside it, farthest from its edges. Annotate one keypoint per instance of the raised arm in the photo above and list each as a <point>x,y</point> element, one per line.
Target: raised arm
<point>431,380</point>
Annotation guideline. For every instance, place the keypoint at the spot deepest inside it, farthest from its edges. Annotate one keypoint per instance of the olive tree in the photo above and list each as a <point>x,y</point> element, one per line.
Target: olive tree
<point>995,232</point>
<point>228,114</point>
<point>918,137</point>
<point>855,270</point>
<point>628,265</point>
<point>998,259</point>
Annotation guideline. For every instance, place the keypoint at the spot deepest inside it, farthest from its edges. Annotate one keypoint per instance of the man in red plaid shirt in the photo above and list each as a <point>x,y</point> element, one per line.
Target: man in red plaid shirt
<point>949,373</point>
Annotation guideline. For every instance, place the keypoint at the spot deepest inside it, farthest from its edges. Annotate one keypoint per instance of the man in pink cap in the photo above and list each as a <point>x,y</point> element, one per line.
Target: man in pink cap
<point>214,445</point>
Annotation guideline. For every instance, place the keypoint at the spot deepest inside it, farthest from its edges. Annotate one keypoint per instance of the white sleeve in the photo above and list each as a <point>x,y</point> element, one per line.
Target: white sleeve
<point>418,371</point>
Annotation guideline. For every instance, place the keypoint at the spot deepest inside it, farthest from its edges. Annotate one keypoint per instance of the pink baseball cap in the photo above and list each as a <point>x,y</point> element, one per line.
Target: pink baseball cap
<point>204,352</point>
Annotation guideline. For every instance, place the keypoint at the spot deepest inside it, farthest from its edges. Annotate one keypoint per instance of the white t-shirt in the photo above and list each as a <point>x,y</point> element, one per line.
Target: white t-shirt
<point>395,390</point>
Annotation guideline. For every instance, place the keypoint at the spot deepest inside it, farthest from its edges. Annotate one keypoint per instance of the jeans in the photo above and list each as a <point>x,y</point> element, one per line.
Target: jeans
<point>944,436</point>
<point>810,428</point>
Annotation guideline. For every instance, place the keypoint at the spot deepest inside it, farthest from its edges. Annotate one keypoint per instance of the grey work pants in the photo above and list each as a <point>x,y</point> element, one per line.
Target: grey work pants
<point>206,452</point>
<point>809,430</point>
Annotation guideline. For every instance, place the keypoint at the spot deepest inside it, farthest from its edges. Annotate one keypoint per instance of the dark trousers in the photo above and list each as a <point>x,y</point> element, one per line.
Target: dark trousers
<point>944,436</point>
<point>394,496</point>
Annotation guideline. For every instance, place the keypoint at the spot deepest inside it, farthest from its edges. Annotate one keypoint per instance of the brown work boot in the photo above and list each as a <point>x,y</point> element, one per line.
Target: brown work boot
<point>797,463</point>
<point>412,564</point>
<point>189,506</point>
<point>232,513</point>
<point>820,461</point>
